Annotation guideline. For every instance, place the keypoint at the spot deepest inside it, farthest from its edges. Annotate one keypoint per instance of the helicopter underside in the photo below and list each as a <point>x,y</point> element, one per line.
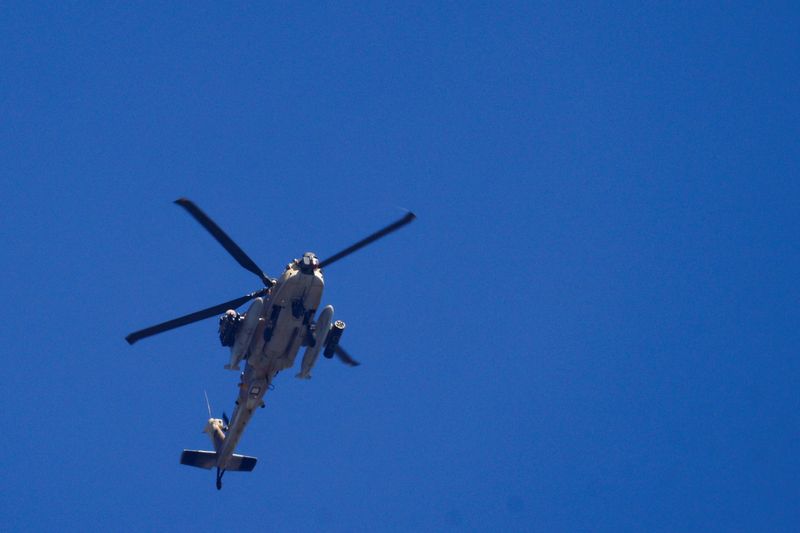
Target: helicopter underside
<point>283,327</point>
<point>286,316</point>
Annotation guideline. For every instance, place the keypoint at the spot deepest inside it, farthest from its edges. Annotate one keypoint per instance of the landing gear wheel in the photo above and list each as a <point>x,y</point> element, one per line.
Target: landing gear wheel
<point>219,484</point>
<point>219,478</point>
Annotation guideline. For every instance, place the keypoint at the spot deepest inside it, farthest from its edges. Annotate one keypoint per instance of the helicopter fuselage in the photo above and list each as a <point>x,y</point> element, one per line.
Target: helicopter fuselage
<point>284,325</point>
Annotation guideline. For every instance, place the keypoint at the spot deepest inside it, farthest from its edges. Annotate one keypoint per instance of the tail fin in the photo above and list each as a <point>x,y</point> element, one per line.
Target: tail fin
<point>207,460</point>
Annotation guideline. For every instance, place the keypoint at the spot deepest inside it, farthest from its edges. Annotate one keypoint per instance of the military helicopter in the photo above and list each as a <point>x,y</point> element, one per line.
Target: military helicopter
<point>280,320</point>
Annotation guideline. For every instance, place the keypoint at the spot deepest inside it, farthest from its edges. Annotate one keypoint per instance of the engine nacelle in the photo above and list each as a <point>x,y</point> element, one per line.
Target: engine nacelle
<point>332,340</point>
<point>244,333</point>
<point>323,327</point>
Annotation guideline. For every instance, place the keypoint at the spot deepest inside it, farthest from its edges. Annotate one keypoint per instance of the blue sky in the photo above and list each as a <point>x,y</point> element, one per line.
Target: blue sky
<point>592,325</point>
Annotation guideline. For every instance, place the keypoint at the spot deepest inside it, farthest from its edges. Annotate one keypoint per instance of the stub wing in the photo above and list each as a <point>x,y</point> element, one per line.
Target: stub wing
<point>208,460</point>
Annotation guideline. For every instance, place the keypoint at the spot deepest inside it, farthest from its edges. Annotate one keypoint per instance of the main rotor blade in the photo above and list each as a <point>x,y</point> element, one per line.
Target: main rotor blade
<point>345,357</point>
<point>226,242</point>
<point>193,317</point>
<point>368,240</point>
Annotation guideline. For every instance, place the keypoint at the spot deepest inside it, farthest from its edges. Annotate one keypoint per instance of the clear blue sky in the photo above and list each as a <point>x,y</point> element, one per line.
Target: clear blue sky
<point>592,325</point>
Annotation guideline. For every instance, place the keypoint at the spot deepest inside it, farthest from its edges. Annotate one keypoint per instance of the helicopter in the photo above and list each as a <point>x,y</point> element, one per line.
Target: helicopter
<point>281,319</point>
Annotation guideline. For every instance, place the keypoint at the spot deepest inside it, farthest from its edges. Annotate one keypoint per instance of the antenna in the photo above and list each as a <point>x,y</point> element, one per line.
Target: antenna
<point>208,404</point>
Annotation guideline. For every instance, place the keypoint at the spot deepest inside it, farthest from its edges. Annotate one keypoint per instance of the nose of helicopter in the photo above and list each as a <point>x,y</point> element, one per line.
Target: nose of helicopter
<point>309,263</point>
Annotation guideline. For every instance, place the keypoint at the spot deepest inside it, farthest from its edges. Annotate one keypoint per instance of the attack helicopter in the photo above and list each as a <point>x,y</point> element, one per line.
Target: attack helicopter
<point>281,319</point>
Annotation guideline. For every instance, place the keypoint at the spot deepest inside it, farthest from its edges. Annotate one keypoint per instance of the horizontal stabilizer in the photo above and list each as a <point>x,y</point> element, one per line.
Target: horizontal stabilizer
<point>241,463</point>
<point>204,459</point>
<point>199,458</point>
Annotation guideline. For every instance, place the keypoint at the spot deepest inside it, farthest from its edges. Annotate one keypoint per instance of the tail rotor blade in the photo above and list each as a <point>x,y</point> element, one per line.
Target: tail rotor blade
<point>193,317</point>
<point>226,242</point>
<point>409,217</point>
